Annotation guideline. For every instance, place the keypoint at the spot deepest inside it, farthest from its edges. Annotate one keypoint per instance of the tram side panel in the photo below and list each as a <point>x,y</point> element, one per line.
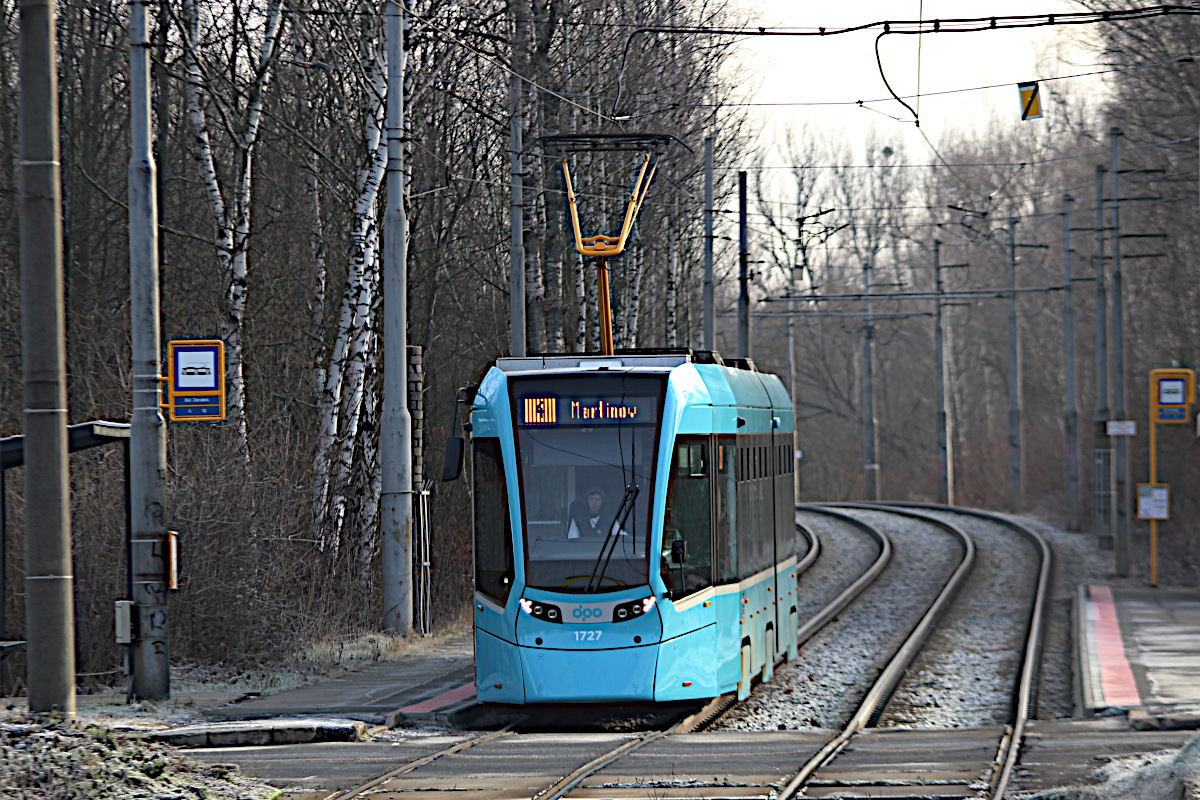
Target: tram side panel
<point>498,572</point>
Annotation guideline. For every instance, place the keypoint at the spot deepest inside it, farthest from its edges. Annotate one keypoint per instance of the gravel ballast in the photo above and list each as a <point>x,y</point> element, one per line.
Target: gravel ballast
<point>824,685</point>
<point>967,671</point>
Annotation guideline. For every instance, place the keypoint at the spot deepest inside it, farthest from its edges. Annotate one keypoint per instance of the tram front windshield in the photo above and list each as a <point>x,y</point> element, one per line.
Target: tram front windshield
<point>586,447</point>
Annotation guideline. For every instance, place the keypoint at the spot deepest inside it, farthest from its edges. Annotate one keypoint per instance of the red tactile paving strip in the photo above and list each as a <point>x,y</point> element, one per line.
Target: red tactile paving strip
<point>446,698</point>
<point>1116,676</point>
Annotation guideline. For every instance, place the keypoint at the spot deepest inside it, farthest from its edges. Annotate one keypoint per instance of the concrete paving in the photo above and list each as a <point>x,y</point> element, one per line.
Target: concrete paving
<point>1139,648</point>
<point>422,683</point>
<point>1068,752</point>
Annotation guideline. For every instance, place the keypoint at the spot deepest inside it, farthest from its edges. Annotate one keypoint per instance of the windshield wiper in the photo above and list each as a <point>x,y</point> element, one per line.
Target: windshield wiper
<point>614,533</point>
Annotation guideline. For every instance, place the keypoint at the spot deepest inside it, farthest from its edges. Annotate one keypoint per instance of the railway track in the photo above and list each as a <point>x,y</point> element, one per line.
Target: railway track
<point>862,762</point>
<point>687,760</point>
<point>422,774</point>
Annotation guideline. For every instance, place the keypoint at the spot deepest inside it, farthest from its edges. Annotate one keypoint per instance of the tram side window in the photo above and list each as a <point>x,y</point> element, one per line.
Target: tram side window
<point>727,511</point>
<point>689,517</point>
<point>493,531</point>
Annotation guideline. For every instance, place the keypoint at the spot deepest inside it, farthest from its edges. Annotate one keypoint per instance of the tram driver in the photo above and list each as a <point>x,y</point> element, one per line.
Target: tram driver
<point>592,519</point>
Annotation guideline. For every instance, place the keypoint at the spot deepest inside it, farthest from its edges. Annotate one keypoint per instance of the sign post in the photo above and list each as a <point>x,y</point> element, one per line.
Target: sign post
<point>1172,392</point>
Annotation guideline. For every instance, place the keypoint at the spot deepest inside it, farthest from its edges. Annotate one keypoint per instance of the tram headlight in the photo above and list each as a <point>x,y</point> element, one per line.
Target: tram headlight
<point>543,611</point>
<point>633,609</point>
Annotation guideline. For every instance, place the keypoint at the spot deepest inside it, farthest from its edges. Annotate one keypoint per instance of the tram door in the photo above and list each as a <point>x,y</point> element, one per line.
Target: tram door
<point>687,539</point>
<point>689,634</point>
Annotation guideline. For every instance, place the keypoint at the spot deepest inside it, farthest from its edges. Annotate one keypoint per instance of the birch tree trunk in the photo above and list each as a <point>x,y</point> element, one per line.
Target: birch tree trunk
<point>356,299</point>
<point>360,337</point>
<point>593,287</point>
<point>581,299</point>
<point>231,219</point>
<point>593,293</point>
<point>368,477</point>
<point>535,291</point>
<point>635,297</point>
<point>316,248</point>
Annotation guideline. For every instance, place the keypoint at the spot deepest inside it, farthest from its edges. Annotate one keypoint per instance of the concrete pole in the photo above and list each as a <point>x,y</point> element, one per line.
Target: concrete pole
<point>709,332</point>
<point>1102,408</point>
<point>162,116</point>
<point>147,431</point>
<point>516,248</point>
<point>1070,410</point>
<point>791,385</point>
<point>1123,495</point>
<point>870,434</point>
<point>743,273</point>
<point>945,444</point>
<point>1015,451</point>
<point>49,613</point>
<point>395,424</point>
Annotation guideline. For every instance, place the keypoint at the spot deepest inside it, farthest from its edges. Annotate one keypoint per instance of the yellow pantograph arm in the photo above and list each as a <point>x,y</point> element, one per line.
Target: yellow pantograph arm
<point>635,202</point>
<point>574,208</point>
<point>634,210</point>
<point>602,245</point>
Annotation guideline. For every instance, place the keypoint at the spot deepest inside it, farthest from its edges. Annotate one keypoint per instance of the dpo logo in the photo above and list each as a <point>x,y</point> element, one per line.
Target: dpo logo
<point>585,613</point>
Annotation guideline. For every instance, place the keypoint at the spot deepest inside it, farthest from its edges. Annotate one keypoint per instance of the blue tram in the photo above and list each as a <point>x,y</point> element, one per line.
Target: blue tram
<point>634,528</point>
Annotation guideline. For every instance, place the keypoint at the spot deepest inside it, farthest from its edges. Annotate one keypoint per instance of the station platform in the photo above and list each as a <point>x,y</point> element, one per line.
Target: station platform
<point>1138,650</point>
<point>421,685</point>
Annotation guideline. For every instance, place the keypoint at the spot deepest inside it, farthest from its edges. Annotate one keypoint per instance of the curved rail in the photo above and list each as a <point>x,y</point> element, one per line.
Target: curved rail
<point>814,549</point>
<point>822,617</point>
<point>1010,748</point>
<point>879,693</point>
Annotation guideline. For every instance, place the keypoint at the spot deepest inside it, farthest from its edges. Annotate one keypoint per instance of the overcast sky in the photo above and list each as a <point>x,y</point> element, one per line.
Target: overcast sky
<point>843,68</point>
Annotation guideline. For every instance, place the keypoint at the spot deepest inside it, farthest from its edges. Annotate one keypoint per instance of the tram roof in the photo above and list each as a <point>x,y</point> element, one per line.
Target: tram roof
<point>734,382</point>
<point>663,360</point>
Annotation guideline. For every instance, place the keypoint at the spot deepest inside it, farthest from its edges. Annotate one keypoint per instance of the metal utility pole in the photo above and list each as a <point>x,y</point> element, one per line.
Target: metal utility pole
<point>870,435</point>
<point>516,249</point>
<point>395,424</point>
<point>49,613</point>
<point>743,273</point>
<point>945,443</point>
<point>1015,451</point>
<point>1070,411</point>
<point>1123,490</point>
<point>1102,466</point>
<point>147,429</point>
<point>709,327</point>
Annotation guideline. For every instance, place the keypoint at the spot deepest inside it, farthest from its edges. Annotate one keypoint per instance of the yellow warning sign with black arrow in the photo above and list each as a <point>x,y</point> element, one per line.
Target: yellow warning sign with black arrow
<point>1031,101</point>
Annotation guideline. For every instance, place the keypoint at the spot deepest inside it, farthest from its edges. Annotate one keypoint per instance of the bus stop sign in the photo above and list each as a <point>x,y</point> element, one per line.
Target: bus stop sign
<point>1172,392</point>
<point>195,380</point>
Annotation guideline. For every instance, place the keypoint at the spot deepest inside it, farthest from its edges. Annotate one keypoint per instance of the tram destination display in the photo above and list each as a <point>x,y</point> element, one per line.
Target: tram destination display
<point>550,411</point>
